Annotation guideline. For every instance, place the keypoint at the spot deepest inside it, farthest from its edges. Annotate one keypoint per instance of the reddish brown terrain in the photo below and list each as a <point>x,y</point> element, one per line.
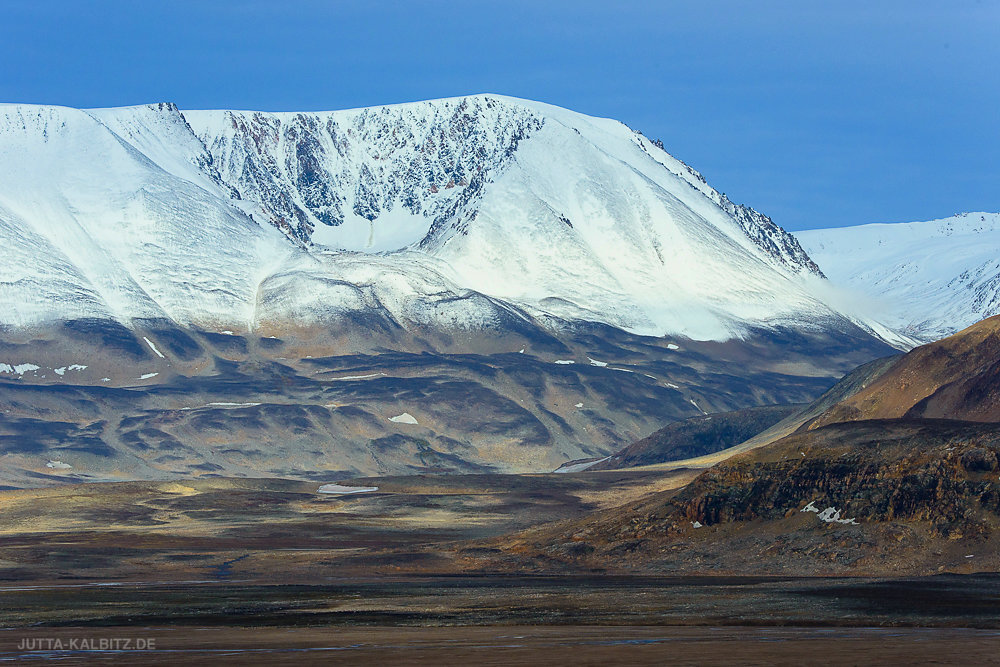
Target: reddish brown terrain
<point>871,486</point>
<point>954,378</point>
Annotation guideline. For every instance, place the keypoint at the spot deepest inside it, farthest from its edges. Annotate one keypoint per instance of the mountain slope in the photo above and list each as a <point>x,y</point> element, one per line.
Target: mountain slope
<point>954,378</point>
<point>223,292</point>
<point>698,436</point>
<point>562,215</point>
<point>871,486</point>
<point>929,279</point>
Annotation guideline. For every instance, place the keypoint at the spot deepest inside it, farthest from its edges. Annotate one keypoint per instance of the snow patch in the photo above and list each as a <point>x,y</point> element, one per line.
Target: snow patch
<point>671,346</point>
<point>18,369</point>
<point>578,467</point>
<point>341,490</point>
<point>146,376</point>
<point>564,361</point>
<point>405,418</point>
<point>599,364</point>
<point>829,515</point>
<point>58,465</point>
<point>579,405</point>
<point>358,377</point>
<point>153,348</point>
<point>696,524</point>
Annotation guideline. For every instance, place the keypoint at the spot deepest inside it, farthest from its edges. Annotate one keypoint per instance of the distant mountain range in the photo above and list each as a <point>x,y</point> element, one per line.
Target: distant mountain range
<point>924,279</point>
<point>230,292</point>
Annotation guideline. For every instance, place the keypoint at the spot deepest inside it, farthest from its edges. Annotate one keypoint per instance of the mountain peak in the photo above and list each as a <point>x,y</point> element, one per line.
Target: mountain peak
<point>567,216</point>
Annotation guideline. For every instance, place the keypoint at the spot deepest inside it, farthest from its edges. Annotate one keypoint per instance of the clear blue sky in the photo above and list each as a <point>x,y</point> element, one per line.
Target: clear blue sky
<point>818,113</point>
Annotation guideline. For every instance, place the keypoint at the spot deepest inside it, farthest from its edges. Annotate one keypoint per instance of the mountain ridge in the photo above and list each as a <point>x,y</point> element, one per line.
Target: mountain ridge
<point>165,312</point>
<point>927,279</point>
<point>485,210</point>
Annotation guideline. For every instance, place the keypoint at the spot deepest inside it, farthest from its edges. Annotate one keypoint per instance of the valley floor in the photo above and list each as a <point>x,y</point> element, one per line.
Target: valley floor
<point>508,621</point>
<point>273,572</point>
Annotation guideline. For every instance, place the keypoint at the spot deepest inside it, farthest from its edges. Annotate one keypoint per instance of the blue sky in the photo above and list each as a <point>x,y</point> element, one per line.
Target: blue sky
<point>816,113</point>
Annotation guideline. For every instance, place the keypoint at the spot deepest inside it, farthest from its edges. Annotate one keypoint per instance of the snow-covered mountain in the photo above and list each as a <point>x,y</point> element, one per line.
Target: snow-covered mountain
<point>926,279</point>
<point>451,212</point>
<point>244,293</point>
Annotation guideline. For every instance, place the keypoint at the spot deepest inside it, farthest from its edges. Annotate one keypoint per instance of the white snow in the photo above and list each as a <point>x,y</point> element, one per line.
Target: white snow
<point>672,385</point>
<point>594,362</point>
<point>146,376</point>
<point>18,369</point>
<point>579,405</point>
<point>358,377</point>
<point>672,346</point>
<point>153,347</point>
<point>405,418</point>
<point>396,229</point>
<point>579,467</point>
<point>564,362</point>
<point>58,465</point>
<point>345,490</point>
<point>926,279</point>
<point>691,401</point>
<point>59,371</point>
<point>828,515</point>
<point>132,213</point>
<point>696,524</point>
<point>233,405</point>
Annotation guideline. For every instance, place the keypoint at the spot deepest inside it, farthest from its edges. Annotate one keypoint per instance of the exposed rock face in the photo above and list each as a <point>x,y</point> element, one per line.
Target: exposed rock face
<point>877,497</point>
<point>310,169</point>
<point>776,241</point>
<point>873,471</point>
